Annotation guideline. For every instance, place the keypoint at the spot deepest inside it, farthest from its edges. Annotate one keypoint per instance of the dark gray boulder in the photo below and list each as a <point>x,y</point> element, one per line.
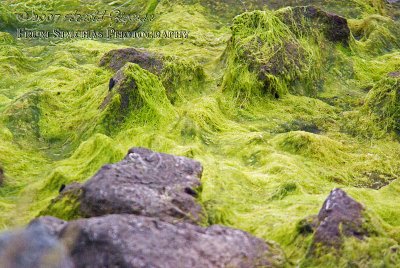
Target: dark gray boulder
<point>33,247</point>
<point>341,216</point>
<point>145,183</point>
<point>52,225</point>
<point>116,59</point>
<point>137,241</point>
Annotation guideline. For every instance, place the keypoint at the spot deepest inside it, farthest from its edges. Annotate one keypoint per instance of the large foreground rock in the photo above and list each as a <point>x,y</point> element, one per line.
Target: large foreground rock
<point>34,247</point>
<point>116,59</point>
<point>145,183</point>
<point>137,241</point>
<point>340,216</point>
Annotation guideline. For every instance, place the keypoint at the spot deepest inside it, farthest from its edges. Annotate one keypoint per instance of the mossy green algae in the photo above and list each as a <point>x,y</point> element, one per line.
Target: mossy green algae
<point>259,175</point>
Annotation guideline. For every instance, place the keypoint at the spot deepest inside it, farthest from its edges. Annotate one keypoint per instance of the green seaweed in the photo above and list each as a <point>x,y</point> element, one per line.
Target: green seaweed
<point>268,162</point>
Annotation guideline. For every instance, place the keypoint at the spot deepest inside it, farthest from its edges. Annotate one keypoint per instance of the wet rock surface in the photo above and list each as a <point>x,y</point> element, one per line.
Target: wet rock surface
<point>145,183</point>
<point>33,247</point>
<point>340,216</point>
<point>116,59</point>
<point>137,241</point>
<point>163,187</point>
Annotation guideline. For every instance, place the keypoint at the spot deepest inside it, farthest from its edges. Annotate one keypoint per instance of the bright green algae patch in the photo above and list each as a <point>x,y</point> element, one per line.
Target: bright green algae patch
<point>268,163</point>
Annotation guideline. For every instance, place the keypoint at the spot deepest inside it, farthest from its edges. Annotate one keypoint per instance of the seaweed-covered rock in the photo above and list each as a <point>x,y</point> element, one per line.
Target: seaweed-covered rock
<point>33,247</point>
<point>125,87</point>
<point>178,75</point>
<point>307,225</point>
<point>303,20</point>
<point>137,241</point>
<point>340,216</point>
<point>67,204</point>
<point>377,34</point>
<point>381,110</point>
<point>136,94</point>
<point>145,183</point>
<point>227,9</point>
<point>117,58</point>
<point>272,53</point>
<point>24,115</point>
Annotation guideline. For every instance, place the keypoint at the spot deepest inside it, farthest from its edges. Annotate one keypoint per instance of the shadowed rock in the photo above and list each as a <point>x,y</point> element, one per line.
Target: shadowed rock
<point>33,247</point>
<point>1,175</point>
<point>126,88</point>
<point>134,91</point>
<point>340,216</point>
<point>145,183</point>
<point>307,225</point>
<point>137,241</point>
<point>394,74</point>
<point>116,59</point>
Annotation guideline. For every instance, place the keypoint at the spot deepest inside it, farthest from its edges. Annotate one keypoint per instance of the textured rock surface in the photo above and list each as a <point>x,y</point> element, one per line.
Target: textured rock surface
<point>340,216</point>
<point>52,225</point>
<point>137,241</point>
<point>33,247</point>
<point>145,183</point>
<point>116,59</point>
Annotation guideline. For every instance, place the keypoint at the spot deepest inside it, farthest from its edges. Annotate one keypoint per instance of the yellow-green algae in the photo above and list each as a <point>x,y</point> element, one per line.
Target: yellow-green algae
<point>268,163</point>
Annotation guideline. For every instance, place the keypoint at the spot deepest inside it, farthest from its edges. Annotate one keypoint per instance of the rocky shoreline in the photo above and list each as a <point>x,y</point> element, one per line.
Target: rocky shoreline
<point>142,212</point>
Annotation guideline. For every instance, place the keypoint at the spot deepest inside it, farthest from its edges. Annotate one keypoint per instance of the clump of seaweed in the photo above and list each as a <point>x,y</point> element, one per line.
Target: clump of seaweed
<point>139,97</point>
<point>273,53</point>
<point>375,34</point>
<point>380,113</point>
<point>268,162</point>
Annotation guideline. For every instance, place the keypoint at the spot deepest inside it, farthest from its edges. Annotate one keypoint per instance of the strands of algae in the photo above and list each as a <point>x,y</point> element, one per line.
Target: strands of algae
<point>264,169</point>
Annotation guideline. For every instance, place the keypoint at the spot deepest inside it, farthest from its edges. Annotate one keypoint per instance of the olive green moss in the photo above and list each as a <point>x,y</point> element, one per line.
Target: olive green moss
<point>268,163</point>
<point>65,206</point>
